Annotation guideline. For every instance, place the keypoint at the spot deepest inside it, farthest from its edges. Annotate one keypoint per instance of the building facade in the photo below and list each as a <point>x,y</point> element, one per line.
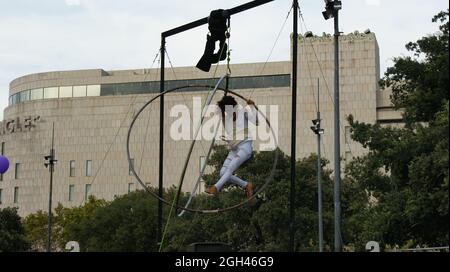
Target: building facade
<point>92,109</point>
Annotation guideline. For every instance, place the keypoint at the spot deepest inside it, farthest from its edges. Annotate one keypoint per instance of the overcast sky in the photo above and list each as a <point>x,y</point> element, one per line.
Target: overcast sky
<point>50,35</point>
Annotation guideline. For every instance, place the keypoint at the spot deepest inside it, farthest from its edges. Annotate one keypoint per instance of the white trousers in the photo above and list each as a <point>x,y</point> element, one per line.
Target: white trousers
<point>236,157</point>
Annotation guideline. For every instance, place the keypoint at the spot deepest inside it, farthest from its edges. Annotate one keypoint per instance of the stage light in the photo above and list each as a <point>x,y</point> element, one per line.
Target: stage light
<point>217,25</point>
<point>331,7</point>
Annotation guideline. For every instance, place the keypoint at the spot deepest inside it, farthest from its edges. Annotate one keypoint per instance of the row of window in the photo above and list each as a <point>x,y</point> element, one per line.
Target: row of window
<point>250,82</point>
<point>88,172</point>
<point>87,191</point>
<point>55,92</point>
<point>87,168</point>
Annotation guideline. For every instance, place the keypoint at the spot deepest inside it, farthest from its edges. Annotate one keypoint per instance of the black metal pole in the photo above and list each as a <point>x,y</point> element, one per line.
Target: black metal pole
<point>203,21</point>
<point>319,170</point>
<point>164,35</point>
<point>293,127</point>
<point>161,140</point>
<point>50,215</point>
<point>337,139</point>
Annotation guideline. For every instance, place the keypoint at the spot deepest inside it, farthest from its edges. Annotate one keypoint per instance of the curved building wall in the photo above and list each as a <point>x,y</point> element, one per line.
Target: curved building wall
<point>90,133</point>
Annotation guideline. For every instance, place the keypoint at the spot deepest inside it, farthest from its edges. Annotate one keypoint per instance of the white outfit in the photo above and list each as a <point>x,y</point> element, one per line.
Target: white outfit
<point>241,148</point>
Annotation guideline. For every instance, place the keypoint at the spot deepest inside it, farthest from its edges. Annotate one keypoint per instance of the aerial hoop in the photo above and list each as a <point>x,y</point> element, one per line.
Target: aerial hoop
<point>268,179</point>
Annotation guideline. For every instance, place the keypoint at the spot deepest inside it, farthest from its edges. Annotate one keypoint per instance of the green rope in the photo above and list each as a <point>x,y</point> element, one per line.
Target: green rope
<point>175,197</point>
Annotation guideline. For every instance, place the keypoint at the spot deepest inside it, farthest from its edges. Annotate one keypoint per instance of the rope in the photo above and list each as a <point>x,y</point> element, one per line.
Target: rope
<point>326,83</point>
<point>273,47</point>
<point>177,196</point>
<point>116,134</point>
<point>148,124</point>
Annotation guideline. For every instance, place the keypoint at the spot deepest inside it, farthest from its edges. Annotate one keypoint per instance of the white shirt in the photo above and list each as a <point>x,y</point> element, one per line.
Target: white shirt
<point>238,131</point>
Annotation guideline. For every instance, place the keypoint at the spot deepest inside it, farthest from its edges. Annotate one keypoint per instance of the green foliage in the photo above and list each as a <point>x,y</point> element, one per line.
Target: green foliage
<point>262,225</point>
<point>36,229</point>
<point>406,169</point>
<point>420,84</point>
<point>12,235</point>
<point>128,223</point>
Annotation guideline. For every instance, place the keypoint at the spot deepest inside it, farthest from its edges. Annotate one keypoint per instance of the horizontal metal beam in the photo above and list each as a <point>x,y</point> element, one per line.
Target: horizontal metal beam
<point>204,21</point>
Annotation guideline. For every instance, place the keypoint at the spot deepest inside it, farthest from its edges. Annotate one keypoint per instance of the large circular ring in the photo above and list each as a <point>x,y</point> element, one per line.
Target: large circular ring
<point>268,179</point>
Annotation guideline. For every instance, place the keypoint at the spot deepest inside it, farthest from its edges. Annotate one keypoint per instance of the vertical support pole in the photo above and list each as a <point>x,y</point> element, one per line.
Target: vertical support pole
<point>293,127</point>
<point>50,215</point>
<point>319,171</point>
<point>337,139</point>
<point>161,140</point>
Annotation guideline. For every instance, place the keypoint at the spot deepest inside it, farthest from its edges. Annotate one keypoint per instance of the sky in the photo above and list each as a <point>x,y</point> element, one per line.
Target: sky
<point>52,35</point>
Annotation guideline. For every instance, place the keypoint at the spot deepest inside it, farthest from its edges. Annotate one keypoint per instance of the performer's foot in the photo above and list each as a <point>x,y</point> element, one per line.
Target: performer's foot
<point>212,190</point>
<point>249,190</point>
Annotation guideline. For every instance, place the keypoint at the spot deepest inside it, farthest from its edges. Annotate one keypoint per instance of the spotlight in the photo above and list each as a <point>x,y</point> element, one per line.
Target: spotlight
<point>327,14</point>
<point>331,6</point>
<point>316,127</point>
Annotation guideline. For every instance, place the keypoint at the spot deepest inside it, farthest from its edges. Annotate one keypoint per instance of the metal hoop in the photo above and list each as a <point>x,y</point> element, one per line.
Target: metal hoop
<point>268,178</point>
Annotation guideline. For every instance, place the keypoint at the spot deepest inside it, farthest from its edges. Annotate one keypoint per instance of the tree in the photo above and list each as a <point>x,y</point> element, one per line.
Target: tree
<point>128,223</point>
<point>262,225</point>
<point>406,169</point>
<point>420,84</point>
<point>12,236</point>
<point>36,229</point>
<point>65,225</point>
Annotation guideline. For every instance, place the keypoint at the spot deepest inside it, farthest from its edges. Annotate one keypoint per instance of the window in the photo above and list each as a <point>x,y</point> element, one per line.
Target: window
<point>1,196</point>
<point>72,168</point>
<point>93,90</point>
<point>88,168</point>
<point>16,195</point>
<point>348,134</point>
<point>79,91</point>
<point>51,92</point>
<point>87,191</point>
<point>17,171</point>
<point>36,94</point>
<point>130,187</point>
<point>71,192</point>
<point>249,82</point>
<point>24,96</point>
<point>16,98</point>
<point>129,167</point>
<point>65,91</point>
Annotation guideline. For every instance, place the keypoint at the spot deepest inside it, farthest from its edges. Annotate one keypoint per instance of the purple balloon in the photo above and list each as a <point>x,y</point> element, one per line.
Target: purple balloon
<point>4,164</point>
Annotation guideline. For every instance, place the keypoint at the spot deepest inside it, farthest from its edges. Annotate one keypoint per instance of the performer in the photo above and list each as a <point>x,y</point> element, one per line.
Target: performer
<point>239,142</point>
